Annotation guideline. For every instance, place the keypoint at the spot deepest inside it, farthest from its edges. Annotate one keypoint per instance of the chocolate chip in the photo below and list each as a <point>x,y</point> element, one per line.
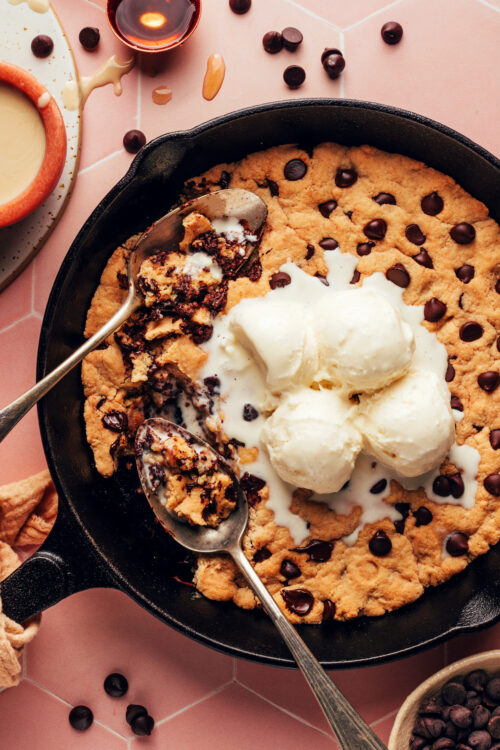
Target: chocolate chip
<point>441,486</point>
<point>434,310</point>
<point>498,343</point>
<point>329,51</point>
<point>430,707</point>
<point>423,259</point>
<point>414,234</point>
<point>443,743</point>
<point>473,699</point>
<point>250,413</point>
<point>81,718</point>
<point>457,544</point>
<point>310,252</point>
<point>279,280</point>
<point>423,516</point>
<point>116,684</point>
<point>289,570</point>
<point>463,233</point>
<point>375,229</point>
<point>471,331</point>
<point>495,439</point>
<point>479,740</point>
<point>133,141</point>
<point>380,544</point>
<point>328,610</point>
<point>391,32</point>
<point>42,45</point>
<point>345,178</point>
<point>294,76</point>
<point>273,187</point>
<point>457,487</point>
<point>116,421</point>
<point>327,207</point>
<point>432,204</point>
<point>492,484</point>
<point>328,243</point>
<point>489,380</point>
<point>461,716</point>
<point>262,554</point>
<point>298,601</point>
<point>456,403</point>
<point>497,286</point>
<point>418,743</point>
<point>318,550</point>
<point>213,384</point>
<point>476,680</point>
<point>398,275</point>
<point>384,199</point>
<point>378,487</point>
<point>292,37</point>
<point>465,273</point>
<point>364,248</point>
<point>494,727</point>
<point>295,169</point>
<point>142,725</point>
<point>480,717</point>
<point>355,277</point>
<point>334,64</point>
<point>240,6</point>
<point>453,693</point>
<point>134,710</point>
<point>89,37</point>
<point>450,373</point>
<point>429,727</point>
<point>272,42</point>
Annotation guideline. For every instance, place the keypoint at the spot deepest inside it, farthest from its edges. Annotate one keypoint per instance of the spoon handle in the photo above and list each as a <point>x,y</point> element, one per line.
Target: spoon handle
<point>351,730</point>
<point>11,414</point>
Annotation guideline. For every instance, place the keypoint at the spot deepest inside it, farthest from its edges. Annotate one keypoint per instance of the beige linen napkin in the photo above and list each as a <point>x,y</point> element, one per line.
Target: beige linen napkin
<point>28,510</point>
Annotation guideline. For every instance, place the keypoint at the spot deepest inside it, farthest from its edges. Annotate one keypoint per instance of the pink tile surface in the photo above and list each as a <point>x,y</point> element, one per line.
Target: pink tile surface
<point>444,67</point>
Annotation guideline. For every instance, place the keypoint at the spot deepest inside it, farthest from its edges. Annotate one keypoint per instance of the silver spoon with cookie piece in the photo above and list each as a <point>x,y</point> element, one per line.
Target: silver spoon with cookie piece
<point>242,205</point>
<point>152,437</point>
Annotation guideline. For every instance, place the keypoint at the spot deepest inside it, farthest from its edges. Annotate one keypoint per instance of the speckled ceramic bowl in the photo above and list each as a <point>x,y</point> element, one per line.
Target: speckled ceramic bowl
<point>55,149</point>
<point>402,729</point>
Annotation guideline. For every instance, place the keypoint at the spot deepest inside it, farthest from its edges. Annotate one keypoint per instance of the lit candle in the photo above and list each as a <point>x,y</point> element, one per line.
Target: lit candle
<point>153,25</point>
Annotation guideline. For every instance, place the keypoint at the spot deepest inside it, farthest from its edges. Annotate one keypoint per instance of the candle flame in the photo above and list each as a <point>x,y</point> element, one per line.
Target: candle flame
<point>153,20</point>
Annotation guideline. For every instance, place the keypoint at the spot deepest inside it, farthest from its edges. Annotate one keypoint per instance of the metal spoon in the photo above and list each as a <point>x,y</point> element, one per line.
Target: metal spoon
<point>162,235</point>
<point>350,729</point>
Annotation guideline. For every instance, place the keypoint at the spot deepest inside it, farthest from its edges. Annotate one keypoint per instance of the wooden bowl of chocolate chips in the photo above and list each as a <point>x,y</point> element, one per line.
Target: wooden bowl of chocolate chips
<point>458,708</point>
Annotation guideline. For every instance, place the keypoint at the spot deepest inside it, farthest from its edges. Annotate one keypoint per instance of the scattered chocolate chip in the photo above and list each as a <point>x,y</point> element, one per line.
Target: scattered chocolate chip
<point>457,487</point>
<point>328,243</point>
<point>465,273</point>
<point>495,439</point>
<point>494,727</point>
<point>456,403</point>
<point>355,277</point>
<point>328,610</point>
<point>327,207</point>
<point>380,544</point>
<point>251,486</point>
<point>492,484</point>
<point>345,178</point>
<point>115,684</point>
<point>480,717</point>
<point>116,421</point>
<point>423,516</point>
<point>384,199</point>
<point>471,331</point>
<point>453,693</point>
<point>414,234</point>
<point>298,601</point>
<point>272,42</point>
<point>378,487</point>
<point>318,550</point>
<point>432,204</point>
<point>42,45</point>
<point>489,380</point>
<point>240,6</point>
<point>398,275</point>
<point>463,233</point>
<point>250,413</point>
<point>434,310</point>
<point>441,486</point>
<point>391,32</point>
<point>309,252</point>
<point>457,544</point>
<point>279,280</point>
<point>479,740</point>
<point>142,725</point>
<point>292,37</point>
<point>289,570</point>
<point>133,141</point>
<point>334,64</point>
<point>294,76</point>
<point>461,716</point>
<point>450,373</point>
<point>273,187</point>
<point>329,51</point>
<point>295,169</point>
<point>423,258</point>
<point>262,554</point>
<point>375,229</point>
<point>81,718</point>
<point>89,37</point>
<point>134,710</point>
<point>476,680</point>
<point>364,248</point>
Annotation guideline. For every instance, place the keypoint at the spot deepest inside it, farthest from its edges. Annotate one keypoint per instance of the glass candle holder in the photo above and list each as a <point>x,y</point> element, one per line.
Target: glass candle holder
<point>153,25</point>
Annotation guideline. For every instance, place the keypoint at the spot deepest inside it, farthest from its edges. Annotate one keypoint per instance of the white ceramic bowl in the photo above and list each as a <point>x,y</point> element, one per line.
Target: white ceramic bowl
<point>402,729</point>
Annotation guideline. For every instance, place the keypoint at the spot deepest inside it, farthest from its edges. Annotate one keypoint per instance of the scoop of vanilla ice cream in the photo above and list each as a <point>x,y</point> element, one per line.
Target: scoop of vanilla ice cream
<point>279,337</point>
<point>311,440</point>
<point>363,342</point>
<point>409,426</point>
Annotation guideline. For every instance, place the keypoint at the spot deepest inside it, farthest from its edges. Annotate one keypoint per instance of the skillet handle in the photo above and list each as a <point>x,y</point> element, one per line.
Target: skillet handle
<point>64,564</point>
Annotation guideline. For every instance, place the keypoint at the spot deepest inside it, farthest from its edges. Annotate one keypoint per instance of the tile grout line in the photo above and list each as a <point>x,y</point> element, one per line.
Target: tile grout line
<point>285,710</point>
<point>195,703</point>
<point>384,718</point>
<point>95,5</point>
<point>312,14</point>
<point>235,667</point>
<point>372,15</point>
<point>99,161</point>
<point>19,320</point>
<point>489,5</point>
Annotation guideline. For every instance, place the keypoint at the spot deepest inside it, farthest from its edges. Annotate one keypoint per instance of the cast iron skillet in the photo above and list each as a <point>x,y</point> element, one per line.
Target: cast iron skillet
<point>104,534</point>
